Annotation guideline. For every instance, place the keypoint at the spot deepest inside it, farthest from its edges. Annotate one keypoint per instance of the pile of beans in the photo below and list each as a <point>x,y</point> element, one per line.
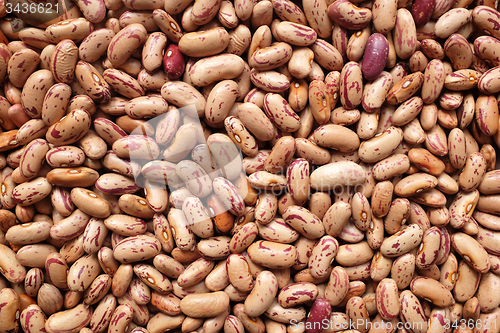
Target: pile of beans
<point>259,166</point>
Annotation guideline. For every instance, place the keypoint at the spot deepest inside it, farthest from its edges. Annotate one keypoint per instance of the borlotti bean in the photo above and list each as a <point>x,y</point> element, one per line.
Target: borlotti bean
<point>259,166</point>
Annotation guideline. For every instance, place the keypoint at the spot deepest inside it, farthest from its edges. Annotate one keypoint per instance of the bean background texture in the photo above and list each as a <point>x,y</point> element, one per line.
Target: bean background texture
<point>249,166</point>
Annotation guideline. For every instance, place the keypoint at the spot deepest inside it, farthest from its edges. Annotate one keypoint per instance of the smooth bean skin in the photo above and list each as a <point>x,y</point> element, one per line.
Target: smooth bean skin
<point>348,15</point>
<point>71,320</point>
<point>333,162</point>
<point>375,56</point>
<point>197,307</point>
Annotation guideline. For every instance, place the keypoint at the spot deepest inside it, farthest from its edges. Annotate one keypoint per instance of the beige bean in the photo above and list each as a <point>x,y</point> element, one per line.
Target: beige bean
<point>283,254</point>
<point>228,195</point>
<point>162,322</point>
<point>49,299</point>
<point>391,166</point>
<point>33,158</point>
<point>462,207</point>
<point>92,82</point>
<point>298,179</point>
<point>71,320</point>
<point>136,248</point>
<point>361,211</point>
<point>389,140</point>
<point>215,68</point>
<point>195,272</point>
<point>428,250</point>
<point>227,15</point>
<point>382,198</point>
<point>271,57</point>
<point>272,80</point>
<point>356,310</point>
<point>10,266</point>
<point>487,294</point>
<point>473,172</point>
<point>431,290</point>
<point>33,281</point>
<point>296,34</point>
<point>313,153</point>
<point>374,92</point>
<point>426,161</point>
<point>277,313</point>
<point>412,311</point>
<point>196,306</point>
<point>405,30</point>
<point>354,254</point>
<point>375,234</point>
<point>153,51</point>
<point>32,317</point>
<point>351,233</point>
<point>90,203</point>
<point>9,314</point>
<point>55,103</point>
<point>384,15</point>
<point>452,21</point>
<point>195,178</point>
<point>226,155</point>
<point>467,282</point>
<point>338,286</point>
<point>168,304</point>
<point>34,91</point>
<point>238,273</point>
<point>74,126</point>
<point>63,61</point>
<point>120,48</point>
<point>198,219</point>
<point>214,248</point>
<point>240,136</point>
<point>323,254</point>
<point>21,65</point>
<point>489,183</point>
<point>28,233</point>
<point>486,114</point>
<point>121,318</point>
<point>351,76</point>
<point>123,83</point>
<point>32,129</point>
<point>415,183</point>
<point>220,100</point>
<point>404,89</point>
<point>255,121</point>
<point>297,293</point>
<point>83,272</point>
<point>407,111</point>
<point>337,174</point>
<point>402,241</point>
<point>31,192</point>
<point>95,44</point>
<point>326,136</point>
<point>300,66</point>
<point>125,225</point>
<point>281,154</point>
<point>153,278</point>
<point>471,251</point>
<point>97,290</point>
<point>303,221</point>
<point>402,270</point>
<point>218,278</point>
<point>184,238</point>
<point>336,217</point>
<point>266,208</point>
